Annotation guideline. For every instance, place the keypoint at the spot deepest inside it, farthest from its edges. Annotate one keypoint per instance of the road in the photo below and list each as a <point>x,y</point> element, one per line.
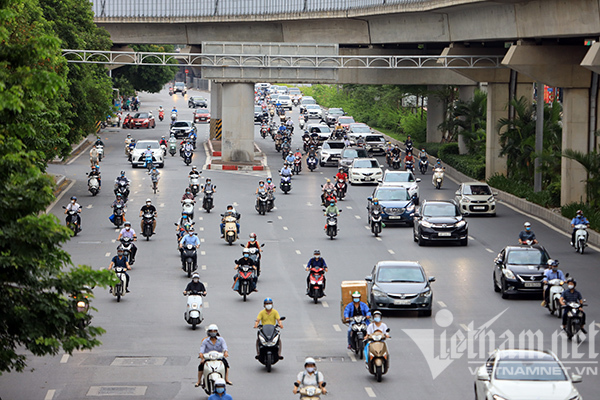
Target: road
<point>148,349</point>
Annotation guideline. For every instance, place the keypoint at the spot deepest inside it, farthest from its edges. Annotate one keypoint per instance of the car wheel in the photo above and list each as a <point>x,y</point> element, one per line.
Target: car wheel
<point>425,313</point>
<point>464,242</point>
<point>420,240</point>
<point>496,288</point>
<point>503,289</point>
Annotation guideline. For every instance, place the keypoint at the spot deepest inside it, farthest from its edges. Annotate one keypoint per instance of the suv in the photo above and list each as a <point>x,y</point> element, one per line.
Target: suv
<point>179,87</point>
<point>286,101</point>
<point>197,102</point>
<point>322,130</point>
<point>306,100</point>
<point>330,152</point>
<point>332,115</point>
<point>375,144</point>
<point>349,154</point>
<point>182,129</point>
<point>440,220</point>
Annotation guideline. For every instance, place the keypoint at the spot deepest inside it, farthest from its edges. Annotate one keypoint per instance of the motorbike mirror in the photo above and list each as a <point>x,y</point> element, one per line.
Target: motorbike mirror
<point>64,207</point>
<point>241,245</point>
<point>495,193</point>
<point>340,211</point>
<point>432,279</point>
<point>387,330</point>
<point>262,245</point>
<point>416,214</point>
<point>282,318</point>
<point>296,384</point>
<point>567,275</point>
<point>324,383</point>
<point>370,198</point>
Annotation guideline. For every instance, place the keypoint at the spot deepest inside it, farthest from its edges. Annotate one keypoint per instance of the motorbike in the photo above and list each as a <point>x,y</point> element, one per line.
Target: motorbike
<point>187,157</point>
<point>306,144</point>
<point>378,360</point>
<point>163,148</point>
<point>574,318</point>
<point>187,207</point>
<point>72,221</point>
<point>118,290</point>
<point>81,303</point>
<point>123,188</point>
<point>100,150</point>
<point>396,162</point>
<point>118,215</point>
<point>358,331</point>
<point>195,184</point>
<point>173,117</point>
<point>230,229</point>
<point>148,225</point>
<point>161,115</point>
<point>126,245</point>
<point>172,148</point>
<point>170,91</point>
<point>270,199</point>
<point>207,201</point>
<point>340,188</point>
<point>554,295</point>
<point>438,177</point>
<point>297,166</point>
<point>255,257</point>
<point>295,102</point>
<point>581,238</point>
<point>261,203</point>
<point>312,163</point>
<point>286,183</point>
<point>278,142</point>
<point>127,143</point>
<point>301,123</point>
<point>193,310</point>
<point>316,279</point>
<point>331,228</point>
<point>263,132</point>
<point>267,343</point>
<point>187,259</point>
<point>243,280</point>
<point>423,166</point>
<point>214,369</point>
<point>310,392</point>
<point>93,185</point>
<point>376,224</point>
<point>148,162</point>
<point>409,166</point>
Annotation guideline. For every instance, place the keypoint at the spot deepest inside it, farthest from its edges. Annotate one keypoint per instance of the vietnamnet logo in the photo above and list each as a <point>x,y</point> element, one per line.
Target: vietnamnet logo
<point>442,348</point>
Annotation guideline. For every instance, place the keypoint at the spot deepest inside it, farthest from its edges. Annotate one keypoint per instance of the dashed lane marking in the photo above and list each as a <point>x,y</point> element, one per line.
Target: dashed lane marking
<point>337,328</point>
<point>89,206</point>
<point>205,304</point>
<point>279,217</point>
<point>285,228</point>
<point>325,304</point>
<point>235,204</point>
<point>352,357</point>
<point>114,241</point>
<point>489,250</point>
<point>349,207</point>
<point>201,228</point>
<point>378,238</point>
<point>391,251</point>
<point>309,204</point>
<point>442,304</point>
<point>292,239</point>
<point>370,392</point>
<point>202,253</point>
<point>50,394</point>
<point>298,252</point>
<point>64,359</point>
<point>471,237</point>
<point>161,205</point>
<point>367,227</point>
<point>140,185</point>
<point>201,240</point>
<point>107,254</point>
<point>357,216</point>
<point>200,218</point>
<point>204,268</point>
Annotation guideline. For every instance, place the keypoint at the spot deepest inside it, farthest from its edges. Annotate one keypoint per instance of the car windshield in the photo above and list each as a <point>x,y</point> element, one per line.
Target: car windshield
<point>152,143</point>
<point>374,138</point>
<point>313,107</point>
<point>141,115</point>
<point>529,370</point>
<point>335,111</point>
<point>284,97</point>
<point>477,190</point>
<point>179,84</point>
<point>258,109</point>
<point>400,274</point>
<point>202,111</point>
<point>320,128</point>
<point>355,153</point>
<point>439,210</point>
<point>526,257</point>
<point>333,145</point>
<point>181,124</point>
<point>346,120</point>
<point>308,101</point>
<point>366,164</point>
<point>295,91</point>
<point>401,176</point>
<point>392,194</point>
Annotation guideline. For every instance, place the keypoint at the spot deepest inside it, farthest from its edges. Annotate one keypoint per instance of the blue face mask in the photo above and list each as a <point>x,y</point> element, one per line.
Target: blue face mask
<point>356,300</point>
<point>377,319</point>
<point>528,228</point>
<point>220,390</point>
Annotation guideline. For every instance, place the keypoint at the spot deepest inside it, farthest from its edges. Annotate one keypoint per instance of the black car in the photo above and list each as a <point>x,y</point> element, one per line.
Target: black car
<point>349,154</point>
<point>197,102</point>
<point>259,115</point>
<point>520,269</point>
<point>440,220</point>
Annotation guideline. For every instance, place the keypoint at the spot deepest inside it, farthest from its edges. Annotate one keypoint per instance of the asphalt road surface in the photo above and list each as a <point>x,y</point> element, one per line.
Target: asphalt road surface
<point>150,350</point>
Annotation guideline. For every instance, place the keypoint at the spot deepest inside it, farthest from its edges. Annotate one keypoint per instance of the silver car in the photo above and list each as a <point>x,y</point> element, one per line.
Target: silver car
<point>476,198</point>
<point>330,152</point>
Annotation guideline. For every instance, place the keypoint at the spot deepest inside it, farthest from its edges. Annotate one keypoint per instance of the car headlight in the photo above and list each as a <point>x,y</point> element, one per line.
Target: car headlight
<point>466,200</point>
<point>508,273</point>
<point>378,293</point>
<point>426,293</point>
<point>410,208</point>
<point>146,121</point>
<point>496,397</point>
<point>460,224</point>
<point>491,199</point>
<point>426,224</point>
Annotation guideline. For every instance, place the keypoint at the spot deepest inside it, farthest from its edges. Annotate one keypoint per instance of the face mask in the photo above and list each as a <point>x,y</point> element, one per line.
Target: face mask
<point>268,181</point>
<point>377,319</point>
<point>246,255</point>
<point>120,254</point>
<point>252,240</point>
<point>356,300</point>
<point>220,390</point>
<point>269,306</point>
<point>128,228</point>
<point>262,184</point>
<point>212,334</point>
<point>196,280</point>
<point>571,287</point>
<point>317,257</point>
<point>310,370</point>
<point>528,228</point>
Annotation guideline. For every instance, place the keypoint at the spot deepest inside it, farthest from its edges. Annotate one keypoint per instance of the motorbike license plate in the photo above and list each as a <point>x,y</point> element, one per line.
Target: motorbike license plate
<point>402,302</point>
<point>395,217</point>
<point>533,284</point>
<point>445,234</point>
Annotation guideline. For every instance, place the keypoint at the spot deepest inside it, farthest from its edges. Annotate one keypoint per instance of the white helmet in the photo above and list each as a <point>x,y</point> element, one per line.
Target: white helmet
<point>212,327</point>
<point>309,360</point>
<point>219,382</point>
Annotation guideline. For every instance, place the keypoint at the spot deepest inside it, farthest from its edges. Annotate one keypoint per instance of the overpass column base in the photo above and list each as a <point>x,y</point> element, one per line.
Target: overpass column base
<point>465,93</point>
<point>574,136</point>
<point>238,127</point>
<point>435,115</point>
<point>216,109</point>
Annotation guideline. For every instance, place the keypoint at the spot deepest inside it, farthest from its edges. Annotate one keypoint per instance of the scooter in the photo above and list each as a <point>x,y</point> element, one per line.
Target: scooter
<point>187,207</point>
<point>193,310</point>
<point>581,238</point>
<point>149,162</point>
<point>376,224</point>
<point>207,201</point>
<point>173,117</point>
<point>312,163</point>
<point>187,259</point>
<point>297,166</point>
<point>331,228</point>
<point>123,188</point>
<point>340,188</point>
<point>81,304</point>
<point>310,392</point>
<point>286,184</point>
<point>378,360</point>
<point>172,148</point>
<point>423,166</point>
<point>358,331</point>
<point>195,184</point>
<point>409,166</point>
<point>263,132</point>
<point>230,229</point>
<point>270,199</point>
<point>187,157</point>
<point>243,280</point>
<point>316,279</point>
<point>261,203</point>
<point>267,343</point>
<point>93,185</point>
<point>148,225</point>
<point>126,245</point>
<point>118,290</point>
<point>254,256</point>
<point>396,162</point>
<point>574,318</point>
<point>214,369</point>
<point>554,295</point>
<point>118,214</point>
<point>161,115</point>
<point>72,221</point>
<point>100,150</point>
<point>163,148</point>
<point>438,177</point>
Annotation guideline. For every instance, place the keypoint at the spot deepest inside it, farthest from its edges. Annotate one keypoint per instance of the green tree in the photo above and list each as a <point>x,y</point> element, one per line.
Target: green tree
<point>471,119</point>
<point>148,78</point>
<point>591,163</point>
<point>37,314</point>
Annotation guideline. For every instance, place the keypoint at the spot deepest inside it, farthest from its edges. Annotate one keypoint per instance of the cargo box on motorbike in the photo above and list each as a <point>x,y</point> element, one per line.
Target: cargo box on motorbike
<point>349,287</point>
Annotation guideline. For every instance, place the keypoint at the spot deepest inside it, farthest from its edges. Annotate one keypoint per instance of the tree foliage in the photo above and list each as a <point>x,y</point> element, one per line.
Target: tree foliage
<point>144,77</point>
<point>37,314</point>
<point>591,163</point>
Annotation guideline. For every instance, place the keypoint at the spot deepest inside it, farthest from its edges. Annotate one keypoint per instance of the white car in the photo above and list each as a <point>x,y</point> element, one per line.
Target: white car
<point>364,170</point>
<point>323,130</point>
<point>525,374</point>
<point>137,155</point>
<point>406,179</point>
<point>476,198</point>
<point>286,101</point>
<point>331,152</point>
<point>314,111</point>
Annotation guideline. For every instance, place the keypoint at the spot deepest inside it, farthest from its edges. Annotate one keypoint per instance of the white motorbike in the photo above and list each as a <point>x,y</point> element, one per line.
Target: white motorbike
<point>438,178</point>
<point>556,290</point>
<point>187,207</point>
<point>214,368</point>
<point>93,185</point>
<point>581,238</point>
<point>195,183</point>
<point>193,311</point>
<point>100,150</point>
<point>310,393</point>
<point>163,148</point>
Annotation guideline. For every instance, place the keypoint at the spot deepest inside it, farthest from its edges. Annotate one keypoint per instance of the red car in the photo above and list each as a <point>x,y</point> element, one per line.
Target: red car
<point>202,115</point>
<point>143,120</point>
<point>345,121</point>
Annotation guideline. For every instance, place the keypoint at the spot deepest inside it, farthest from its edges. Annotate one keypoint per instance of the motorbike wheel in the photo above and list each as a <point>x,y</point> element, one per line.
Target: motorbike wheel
<point>74,228</point>
<point>360,349</point>
<point>378,372</point>
<point>118,289</point>
<point>581,245</point>
<point>194,325</point>
<point>268,360</point>
<point>558,308</point>
<point>315,297</point>
<point>438,185</point>
<point>188,269</point>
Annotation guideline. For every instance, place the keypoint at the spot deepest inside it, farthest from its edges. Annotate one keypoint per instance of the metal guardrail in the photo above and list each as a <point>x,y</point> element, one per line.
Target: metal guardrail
<point>282,61</point>
<point>209,8</point>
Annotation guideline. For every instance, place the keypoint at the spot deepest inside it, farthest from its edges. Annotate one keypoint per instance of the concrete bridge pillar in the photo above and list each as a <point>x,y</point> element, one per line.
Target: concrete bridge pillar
<point>497,99</point>
<point>216,108</point>
<point>465,93</point>
<point>435,115</point>
<point>237,143</point>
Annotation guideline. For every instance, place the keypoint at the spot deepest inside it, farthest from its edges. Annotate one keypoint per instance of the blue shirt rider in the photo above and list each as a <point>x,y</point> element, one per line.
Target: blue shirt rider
<point>286,171</point>
<point>578,220</point>
<point>357,307</point>
<point>290,158</point>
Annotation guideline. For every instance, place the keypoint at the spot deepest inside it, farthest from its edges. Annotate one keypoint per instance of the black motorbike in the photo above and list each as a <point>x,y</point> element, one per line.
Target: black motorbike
<point>72,221</point>
<point>286,184</point>
<point>187,157</point>
<point>376,224</point>
<point>123,189</point>
<point>187,259</point>
<point>316,280</point>
<point>148,225</point>
<point>261,203</point>
<point>126,246</point>
<point>423,166</point>
<point>118,215</point>
<point>574,320</point>
<point>396,162</point>
<point>243,280</point>
<point>268,344</point>
<point>409,166</point>
<point>358,331</point>
<point>207,201</point>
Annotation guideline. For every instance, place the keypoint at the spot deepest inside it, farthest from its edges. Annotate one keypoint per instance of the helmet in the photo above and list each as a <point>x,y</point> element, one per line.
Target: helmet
<point>268,300</point>
<point>376,312</point>
<point>148,201</point>
<point>356,294</point>
<point>119,195</point>
<point>195,275</point>
<point>579,212</point>
<point>439,160</point>
<point>309,360</point>
<point>269,178</point>
<point>245,251</point>
<point>571,280</point>
<point>317,251</point>
<point>127,223</point>
<point>148,147</point>
<point>193,167</point>
<point>163,136</point>
<point>229,206</point>
<point>154,167</point>
<point>527,224</point>
<point>375,200</point>
<point>122,173</point>
<point>341,168</point>
<point>552,263</point>
<point>328,180</point>
<point>212,327</point>
<point>207,180</point>
<point>219,382</point>
<point>188,190</point>
<point>74,198</point>
<point>253,235</point>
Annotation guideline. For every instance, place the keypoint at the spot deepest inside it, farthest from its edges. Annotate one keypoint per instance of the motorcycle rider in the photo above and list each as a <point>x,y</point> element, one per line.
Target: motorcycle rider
<point>195,286</point>
<point>246,260</point>
<point>121,261</point>
<point>578,220</point>
<point>286,171</point>
<point>160,108</point>
<point>423,155</point>
<point>213,342</point>
<point>552,272</point>
<point>147,156</point>
<point>290,158</point>
<point>396,152</point>
<point>148,208</point>
<point>527,234</point>
<point>375,206</point>
<point>341,175</point>
<point>208,186</point>
<point>163,141</point>
<point>253,243</point>
<point>220,392</point>
<point>316,262</point>
<point>172,139</point>
<point>571,295</point>
<point>74,206</point>
<point>261,188</point>
<point>121,179</point>
<point>409,158</point>
<point>310,377</point>
<point>192,239</point>
<point>328,186</point>
<point>194,171</point>
<point>230,211</point>
<point>119,202</point>
<point>268,316</point>
<point>270,186</point>
<point>128,232</point>
<point>154,175</point>
<point>95,172</point>
<point>357,307</point>
<point>187,195</point>
<point>377,325</point>
<point>332,209</point>
<point>408,142</point>
<point>94,156</point>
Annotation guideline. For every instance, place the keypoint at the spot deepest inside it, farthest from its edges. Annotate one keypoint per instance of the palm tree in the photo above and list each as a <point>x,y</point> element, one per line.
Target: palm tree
<point>471,119</point>
<point>591,163</point>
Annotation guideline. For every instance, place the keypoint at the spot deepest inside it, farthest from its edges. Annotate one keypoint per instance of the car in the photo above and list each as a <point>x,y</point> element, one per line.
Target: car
<point>349,154</point>
<point>332,115</point>
<point>314,111</point>
<point>440,221</point>
<point>182,129</point>
<point>258,114</point>
<point>400,285</point>
<point>364,170</point>
<point>356,129</point>
<point>273,98</point>
<point>137,155</point>
<point>476,198</point>
<point>322,130</point>
<point>330,152</point>
<point>197,102</point>
<point>262,86</point>
<point>286,101</point>
<point>143,120</point>
<point>397,204</point>
<point>405,179</point>
<point>179,87</point>
<point>375,143</point>
<point>295,93</point>
<point>345,121</point>
<point>525,374</point>
<point>306,100</point>
<point>520,269</point>
<point>202,115</point>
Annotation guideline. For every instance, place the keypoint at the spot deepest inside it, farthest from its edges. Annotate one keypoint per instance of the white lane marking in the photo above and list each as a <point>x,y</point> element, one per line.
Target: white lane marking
<point>201,240</point>
<point>391,251</point>
<point>64,359</point>
<point>136,192</point>
<point>50,394</point>
<point>298,252</point>
<point>324,303</point>
<point>200,218</point>
<point>357,216</point>
<point>337,328</point>
<point>144,178</point>
<point>161,205</point>
<point>370,392</point>
<point>89,206</point>
<point>349,207</point>
<point>489,250</point>
<point>378,238</point>
<point>309,204</point>
<point>140,185</point>
<point>202,253</point>
<point>352,356</point>
<point>471,237</point>
<point>107,254</point>
<point>367,227</point>
<point>205,304</point>
<point>201,228</point>
<point>279,217</point>
<point>441,304</point>
<point>292,239</point>
<point>204,267</point>
<point>465,327</point>
<point>235,204</point>
<point>114,241</point>
<point>117,230</point>
<point>285,228</point>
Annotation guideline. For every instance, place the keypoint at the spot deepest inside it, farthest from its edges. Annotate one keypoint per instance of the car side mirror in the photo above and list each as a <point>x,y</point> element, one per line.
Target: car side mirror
<point>431,279</point>
<point>416,214</point>
<point>495,193</point>
<point>576,378</point>
<point>369,278</point>
<point>370,198</point>
<point>379,180</point>
<point>418,180</point>
<point>457,193</point>
<point>482,375</point>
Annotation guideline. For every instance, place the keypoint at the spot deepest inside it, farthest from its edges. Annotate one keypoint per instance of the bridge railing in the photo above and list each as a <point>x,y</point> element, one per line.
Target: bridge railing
<point>168,9</point>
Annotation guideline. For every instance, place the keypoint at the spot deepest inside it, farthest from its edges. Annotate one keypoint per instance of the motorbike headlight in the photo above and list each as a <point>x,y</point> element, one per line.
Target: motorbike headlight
<point>195,306</point>
<point>426,224</point>
<point>262,340</point>
<point>508,273</point>
<point>81,304</point>
<point>460,224</point>
<point>426,293</point>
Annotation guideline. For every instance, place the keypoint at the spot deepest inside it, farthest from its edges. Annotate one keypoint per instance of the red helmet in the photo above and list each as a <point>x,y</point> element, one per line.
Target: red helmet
<point>253,235</point>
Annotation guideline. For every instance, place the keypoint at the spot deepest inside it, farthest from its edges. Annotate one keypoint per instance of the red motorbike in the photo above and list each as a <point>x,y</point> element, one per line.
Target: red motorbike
<point>316,279</point>
<point>340,188</point>
<point>243,280</point>
<point>161,115</point>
